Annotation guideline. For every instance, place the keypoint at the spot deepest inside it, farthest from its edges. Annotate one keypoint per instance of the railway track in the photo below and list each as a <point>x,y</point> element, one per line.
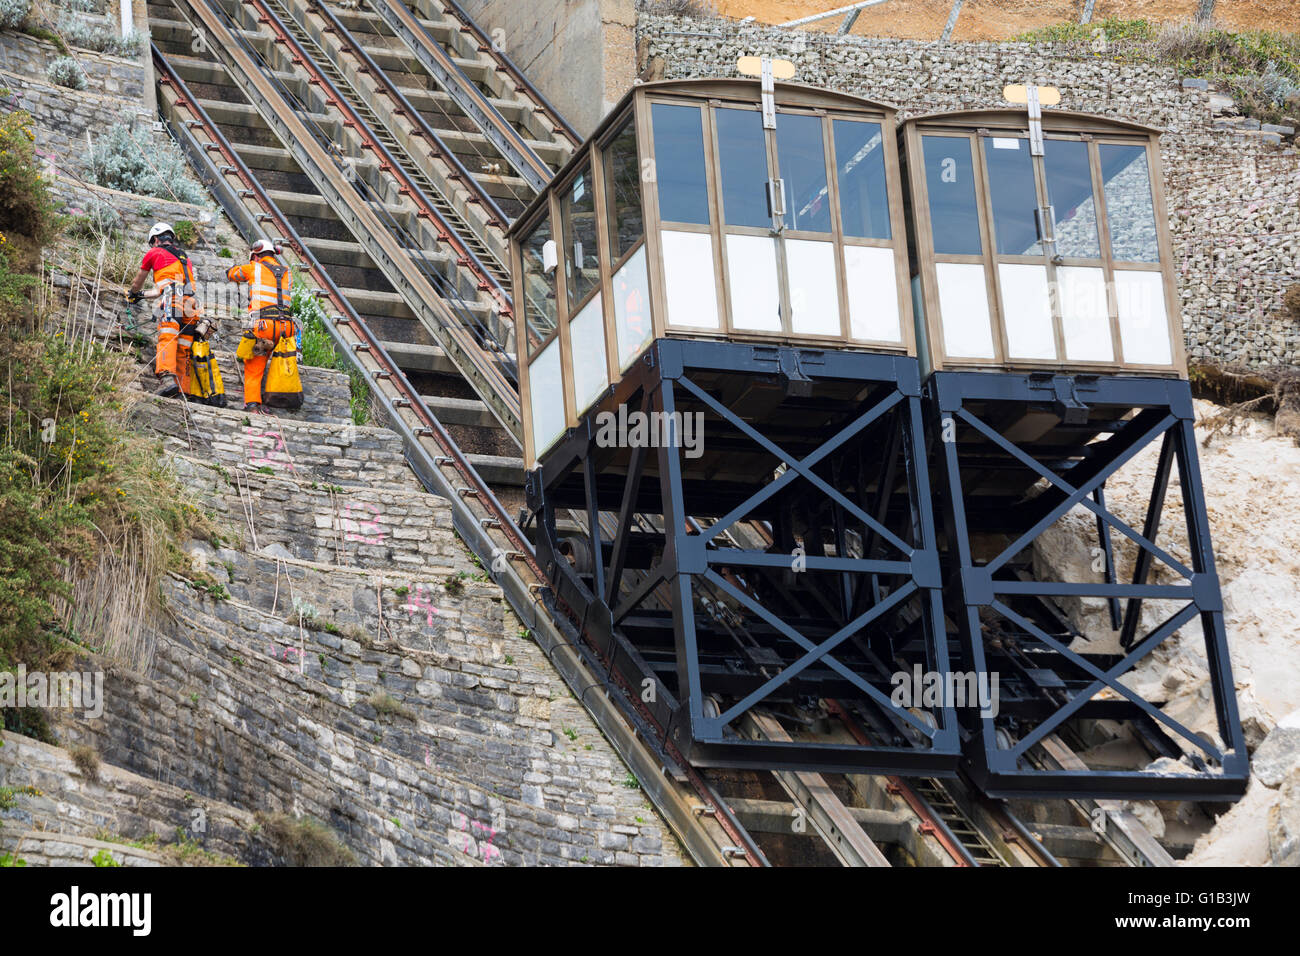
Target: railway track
<point>278,104</point>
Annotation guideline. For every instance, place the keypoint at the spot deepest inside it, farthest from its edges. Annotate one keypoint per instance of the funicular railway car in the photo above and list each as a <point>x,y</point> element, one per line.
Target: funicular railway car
<point>1041,265</point>
<point>741,309</point>
<point>723,422</point>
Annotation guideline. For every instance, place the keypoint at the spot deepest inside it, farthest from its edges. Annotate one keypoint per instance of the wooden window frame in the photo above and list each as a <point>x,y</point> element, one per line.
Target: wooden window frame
<point>990,258</point>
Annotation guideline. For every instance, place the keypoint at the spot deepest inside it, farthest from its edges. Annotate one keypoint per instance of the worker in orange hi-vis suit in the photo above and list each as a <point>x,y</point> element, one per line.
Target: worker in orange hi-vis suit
<point>178,315</point>
<point>269,321</point>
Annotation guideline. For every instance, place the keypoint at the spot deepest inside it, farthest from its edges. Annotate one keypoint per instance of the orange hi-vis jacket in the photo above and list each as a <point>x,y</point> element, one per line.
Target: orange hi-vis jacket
<point>176,313</point>
<point>268,313</point>
<point>269,287</point>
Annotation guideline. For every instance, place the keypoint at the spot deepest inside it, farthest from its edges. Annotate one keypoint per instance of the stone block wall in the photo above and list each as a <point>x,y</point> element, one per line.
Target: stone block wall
<point>111,76</point>
<point>1234,195</point>
<point>355,667</point>
<point>60,817</point>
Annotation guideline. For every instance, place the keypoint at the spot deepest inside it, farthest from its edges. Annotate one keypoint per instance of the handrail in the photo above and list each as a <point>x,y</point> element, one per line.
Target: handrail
<point>477,368</point>
<point>453,79</point>
<point>387,161</point>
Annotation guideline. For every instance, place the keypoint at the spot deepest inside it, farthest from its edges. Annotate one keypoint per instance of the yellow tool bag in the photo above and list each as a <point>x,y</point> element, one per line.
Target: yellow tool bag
<point>205,383</point>
<point>281,383</point>
<point>244,351</point>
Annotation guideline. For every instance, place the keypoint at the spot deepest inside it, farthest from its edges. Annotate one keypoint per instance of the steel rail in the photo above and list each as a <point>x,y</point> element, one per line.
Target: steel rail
<point>387,161</point>
<point>507,66</point>
<point>463,92</point>
<point>477,515</point>
<point>403,107</point>
<point>931,822</point>
<point>482,373</point>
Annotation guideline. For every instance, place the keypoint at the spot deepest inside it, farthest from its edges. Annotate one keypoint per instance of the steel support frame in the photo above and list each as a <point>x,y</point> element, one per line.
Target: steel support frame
<point>1162,412</point>
<point>661,381</point>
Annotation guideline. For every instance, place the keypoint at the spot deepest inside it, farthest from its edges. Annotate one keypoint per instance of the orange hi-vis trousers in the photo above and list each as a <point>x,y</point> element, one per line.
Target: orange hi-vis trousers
<point>173,353</point>
<point>271,330</point>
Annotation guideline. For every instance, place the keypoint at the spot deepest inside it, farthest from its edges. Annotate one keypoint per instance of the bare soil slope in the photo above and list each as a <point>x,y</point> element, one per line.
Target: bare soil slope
<point>1002,19</point>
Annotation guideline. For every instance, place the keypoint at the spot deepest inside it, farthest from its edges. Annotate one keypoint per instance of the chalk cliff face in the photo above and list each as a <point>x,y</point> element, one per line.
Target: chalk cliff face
<point>1251,482</point>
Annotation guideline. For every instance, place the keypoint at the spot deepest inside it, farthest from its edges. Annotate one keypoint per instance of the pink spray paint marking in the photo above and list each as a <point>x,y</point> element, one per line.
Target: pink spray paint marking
<point>418,602</point>
<point>370,525</point>
<point>299,657</point>
<point>277,457</point>
<point>489,852</point>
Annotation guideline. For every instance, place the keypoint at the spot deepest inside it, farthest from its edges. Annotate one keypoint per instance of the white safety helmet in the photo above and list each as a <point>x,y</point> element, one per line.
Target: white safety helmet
<point>160,229</point>
<point>263,247</point>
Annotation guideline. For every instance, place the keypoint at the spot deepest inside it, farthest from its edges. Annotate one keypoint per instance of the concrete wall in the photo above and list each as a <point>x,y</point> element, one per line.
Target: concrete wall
<point>580,53</point>
<point>1234,193</point>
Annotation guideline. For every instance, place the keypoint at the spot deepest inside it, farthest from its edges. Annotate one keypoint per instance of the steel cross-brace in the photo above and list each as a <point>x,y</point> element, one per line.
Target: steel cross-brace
<point>994,486</point>
<point>685,570</point>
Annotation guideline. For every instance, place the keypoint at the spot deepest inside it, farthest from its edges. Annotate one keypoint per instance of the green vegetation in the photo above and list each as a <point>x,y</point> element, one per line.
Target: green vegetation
<point>100,37</point>
<point>318,348</point>
<point>211,587</point>
<point>86,760</point>
<point>388,706</point>
<point>8,859</point>
<point>9,796</point>
<point>49,36</point>
<point>13,13</point>
<point>104,858</point>
<point>305,841</point>
<point>81,496</point>
<point>99,222</point>
<point>134,161</point>
<point>1259,68</point>
<point>67,72</point>
<point>187,233</point>
<point>1114,29</point>
<point>183,850</point>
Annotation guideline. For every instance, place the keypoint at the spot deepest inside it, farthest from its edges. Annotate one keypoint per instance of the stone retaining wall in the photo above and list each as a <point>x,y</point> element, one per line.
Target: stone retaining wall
<point>59,817</point>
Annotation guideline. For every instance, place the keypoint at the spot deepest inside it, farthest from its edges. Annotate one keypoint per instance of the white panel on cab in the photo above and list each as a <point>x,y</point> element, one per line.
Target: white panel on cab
<point>752,281</point>
<point>873,294</point>
<point>964,310</point>
<point>587,338</point>
<point>631,294</point>
<point>814,293</point>
<point>546,396</point>
<point>1085,320</point>
<point>1027,311</point>
<point>689,278</point>
<point>1143,321</point>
